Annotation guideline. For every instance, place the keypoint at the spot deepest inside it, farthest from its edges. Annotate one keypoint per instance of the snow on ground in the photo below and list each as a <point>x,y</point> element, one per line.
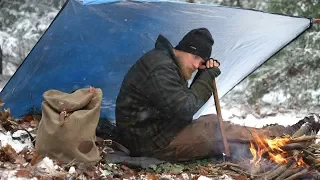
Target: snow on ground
<point>239,114</point>
<point>275,97</point>
<point>7,138</point>
<point>250,120</point>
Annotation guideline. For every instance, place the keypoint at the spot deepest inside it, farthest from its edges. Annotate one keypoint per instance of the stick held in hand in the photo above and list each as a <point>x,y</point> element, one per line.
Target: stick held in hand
<point>218,109</point>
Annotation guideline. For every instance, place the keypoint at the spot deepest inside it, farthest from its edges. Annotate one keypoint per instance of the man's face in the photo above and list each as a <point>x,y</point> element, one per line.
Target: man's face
<point>190,63</point>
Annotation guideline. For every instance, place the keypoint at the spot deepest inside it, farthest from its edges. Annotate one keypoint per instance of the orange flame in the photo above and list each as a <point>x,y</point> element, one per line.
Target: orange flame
<point>261,145</point>
<point>278,158</point>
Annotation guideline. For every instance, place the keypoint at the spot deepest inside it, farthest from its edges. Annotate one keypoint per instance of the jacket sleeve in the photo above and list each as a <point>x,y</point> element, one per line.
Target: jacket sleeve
<point>172,98</point>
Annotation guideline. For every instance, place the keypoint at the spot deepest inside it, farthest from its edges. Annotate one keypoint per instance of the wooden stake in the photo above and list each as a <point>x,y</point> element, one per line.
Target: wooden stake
<point>218,109</point>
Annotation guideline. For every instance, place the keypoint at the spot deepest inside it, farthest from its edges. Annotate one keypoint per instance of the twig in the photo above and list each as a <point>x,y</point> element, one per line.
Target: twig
<point>242,171</point>
<point>72,161</point>
<point>309,153</point>
<point>236,168</point>
<point>227,164</point>
<point>288,173</point>
<point>295,176</point>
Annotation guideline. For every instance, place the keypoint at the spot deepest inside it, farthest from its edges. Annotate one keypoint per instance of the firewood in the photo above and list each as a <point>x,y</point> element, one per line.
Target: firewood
<point>317,165</point>
<point>278,171</point>
<point>288,173</point>
<point>303,129</point>
<point>240,171</point>
<point>292,146</point>
<point>309,153</point>
<point>296,175</point>
<point>304,138</point>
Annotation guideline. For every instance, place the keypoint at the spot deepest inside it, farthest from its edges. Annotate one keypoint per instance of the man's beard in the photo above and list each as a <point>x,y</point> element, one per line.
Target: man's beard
<point>185,71</point>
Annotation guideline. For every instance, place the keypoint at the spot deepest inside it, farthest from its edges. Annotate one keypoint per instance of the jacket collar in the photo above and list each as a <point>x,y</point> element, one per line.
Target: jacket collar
<point>163,43</point>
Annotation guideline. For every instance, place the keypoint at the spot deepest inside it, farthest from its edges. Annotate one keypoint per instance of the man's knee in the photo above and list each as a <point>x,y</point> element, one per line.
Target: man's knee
<point>208,117</point>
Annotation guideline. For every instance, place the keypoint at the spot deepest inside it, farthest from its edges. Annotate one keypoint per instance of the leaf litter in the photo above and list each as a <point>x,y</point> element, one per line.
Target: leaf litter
<point>19,159</point>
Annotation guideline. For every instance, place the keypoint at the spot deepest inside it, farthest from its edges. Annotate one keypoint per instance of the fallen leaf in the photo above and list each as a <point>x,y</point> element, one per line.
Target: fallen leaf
<point>90,174</point>
<point>127,171</point>
<point>27,118</point>
<point>152,176</point>
<point>240,178</point>
<point>8,154</point>
<point>23,173</point>
<point>36,159</point>
<point>19,160</point>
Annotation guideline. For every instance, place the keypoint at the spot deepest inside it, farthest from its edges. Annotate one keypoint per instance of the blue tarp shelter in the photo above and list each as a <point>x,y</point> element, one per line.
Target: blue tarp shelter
<point>95,42</point>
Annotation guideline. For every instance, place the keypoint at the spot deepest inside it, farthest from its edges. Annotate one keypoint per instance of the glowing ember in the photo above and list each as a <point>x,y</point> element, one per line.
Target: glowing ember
<point>300,162</point>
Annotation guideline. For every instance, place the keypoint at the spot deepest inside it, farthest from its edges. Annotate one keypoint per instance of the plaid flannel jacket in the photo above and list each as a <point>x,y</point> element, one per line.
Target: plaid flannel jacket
<point>155,103</point>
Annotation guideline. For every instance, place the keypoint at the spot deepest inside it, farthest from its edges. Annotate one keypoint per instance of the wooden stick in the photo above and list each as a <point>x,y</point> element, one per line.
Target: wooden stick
<point>218,109</point>
<point>302,130</point>
<point>278,171</point>
<point>289,172</point>
<point>309,153</point>
<point>295,176</point>
<point>303,138</point>
<point>240,171</point>
<point>292,146</point>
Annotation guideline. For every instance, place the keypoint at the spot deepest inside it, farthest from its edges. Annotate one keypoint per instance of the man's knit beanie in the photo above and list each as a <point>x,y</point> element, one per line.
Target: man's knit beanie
<point>198,42</point>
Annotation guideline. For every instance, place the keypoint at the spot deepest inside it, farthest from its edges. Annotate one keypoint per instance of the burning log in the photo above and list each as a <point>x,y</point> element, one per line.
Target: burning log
<point>296,156</point>
<point>292,146</point>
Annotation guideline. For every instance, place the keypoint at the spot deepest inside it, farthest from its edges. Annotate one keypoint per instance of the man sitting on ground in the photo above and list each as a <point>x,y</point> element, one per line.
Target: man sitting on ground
<point>155,106</point>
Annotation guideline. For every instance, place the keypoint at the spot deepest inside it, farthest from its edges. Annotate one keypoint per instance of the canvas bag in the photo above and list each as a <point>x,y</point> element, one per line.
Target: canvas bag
<point>67,130</point>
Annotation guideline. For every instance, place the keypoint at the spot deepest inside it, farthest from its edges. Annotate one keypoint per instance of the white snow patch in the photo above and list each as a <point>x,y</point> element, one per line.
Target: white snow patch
<point>204,178</point>
<point>275,97</point>
<point>72,170</point>
<point>18,146</point>
<point>10,175</point>
<point>235,116</point>
<point>47,165</point>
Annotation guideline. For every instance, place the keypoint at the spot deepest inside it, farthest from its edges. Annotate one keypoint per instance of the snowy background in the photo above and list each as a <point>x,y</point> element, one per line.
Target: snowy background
<point>283,90</point>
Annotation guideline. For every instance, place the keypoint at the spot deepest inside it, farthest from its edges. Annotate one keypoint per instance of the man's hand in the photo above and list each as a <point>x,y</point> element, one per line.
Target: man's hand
<point>210,64</point>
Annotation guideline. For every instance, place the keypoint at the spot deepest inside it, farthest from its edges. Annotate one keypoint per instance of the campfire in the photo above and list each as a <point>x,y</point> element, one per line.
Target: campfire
<point>294,157</point>
<point>288,157</point>
<point>278,150</point>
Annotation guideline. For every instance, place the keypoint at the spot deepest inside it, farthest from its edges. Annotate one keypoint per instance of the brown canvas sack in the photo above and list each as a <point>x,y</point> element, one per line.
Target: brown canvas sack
<point>67,130</point>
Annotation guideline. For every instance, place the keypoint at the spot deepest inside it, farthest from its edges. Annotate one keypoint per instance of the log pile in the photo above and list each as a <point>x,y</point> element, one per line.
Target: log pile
<point>298,158</point>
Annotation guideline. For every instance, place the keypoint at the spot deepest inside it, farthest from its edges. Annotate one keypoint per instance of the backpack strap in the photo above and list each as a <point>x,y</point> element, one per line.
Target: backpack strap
<point>113,144</point>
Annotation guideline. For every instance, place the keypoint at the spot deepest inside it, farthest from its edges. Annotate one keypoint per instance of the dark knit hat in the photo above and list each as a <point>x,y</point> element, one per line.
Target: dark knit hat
<point>198,42</point>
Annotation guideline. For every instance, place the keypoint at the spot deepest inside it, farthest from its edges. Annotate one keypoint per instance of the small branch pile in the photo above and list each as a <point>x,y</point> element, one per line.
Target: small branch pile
<point>299,158</point>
